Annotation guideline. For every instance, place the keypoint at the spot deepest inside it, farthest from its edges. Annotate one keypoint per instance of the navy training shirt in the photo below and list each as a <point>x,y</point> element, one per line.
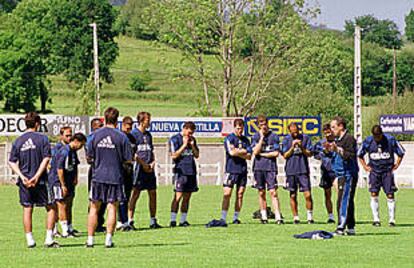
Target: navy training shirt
<point>381,154</point>
<point>297,163</point>
<point>109,148</point>
<point>67,160</point>
<point>235,164</point>
<point>143,145</point>
<point>270,144</point>
<point>325,157</point>
<point>185,163</point>
<point>29,150</point>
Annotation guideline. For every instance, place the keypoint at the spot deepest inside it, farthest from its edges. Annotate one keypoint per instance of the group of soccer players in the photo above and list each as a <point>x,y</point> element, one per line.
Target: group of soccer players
<point>122,165</point>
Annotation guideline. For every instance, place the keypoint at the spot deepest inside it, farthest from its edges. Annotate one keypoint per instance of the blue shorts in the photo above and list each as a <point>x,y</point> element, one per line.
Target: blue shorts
<point>185,183</point>
<point>106,193</point>
<point>384,180</point>
<point>57,194</point>
<point>35,196</point>
<point>144,181</point>
<point>327,180</point>
<point>301,181</point>
<point>240,180</point>
<point>265,180</point>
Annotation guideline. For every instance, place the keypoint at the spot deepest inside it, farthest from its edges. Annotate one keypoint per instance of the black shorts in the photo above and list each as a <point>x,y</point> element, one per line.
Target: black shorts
<point>327,180</point>
<point>57,194</point>
<point>185,183</point>
<point>240,180</point>
<point>38,196</point>
<point>265,180</point>
<point>145,181</point>
<point>301,182</point>
<point>106,193</point>
<point>384,180</point>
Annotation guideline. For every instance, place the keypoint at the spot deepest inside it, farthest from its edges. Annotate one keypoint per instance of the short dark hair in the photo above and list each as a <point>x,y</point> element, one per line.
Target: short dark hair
<point>31,119</point>
<point>142,115</point>
<point>111,115</point>
<point>127,120</point>
<point>340,121</point>
<point>63,129</point>
<point>326,126</point>
<point>261,118</point>
<point>190,125</point>
<point>293,124</point>
<point>79,137</point>
<point>376,130</point>
<point>96,121</point>
<point>238,122</point>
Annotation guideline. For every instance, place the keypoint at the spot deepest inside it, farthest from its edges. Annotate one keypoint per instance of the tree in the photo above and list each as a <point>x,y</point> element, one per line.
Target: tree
<point>132,20</point>
<point>8,5</point>
<point>240,83</point>
<point>22,74</point>
<point>382,32</point>
<point>60,39</point>
<point>409,26</point>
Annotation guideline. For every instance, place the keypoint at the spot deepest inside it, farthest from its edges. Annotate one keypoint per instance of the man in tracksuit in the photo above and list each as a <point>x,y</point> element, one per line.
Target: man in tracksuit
<point>345,166</point>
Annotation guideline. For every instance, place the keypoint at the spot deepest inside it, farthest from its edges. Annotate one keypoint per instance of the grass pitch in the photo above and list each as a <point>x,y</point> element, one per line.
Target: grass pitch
<point>248,245</point>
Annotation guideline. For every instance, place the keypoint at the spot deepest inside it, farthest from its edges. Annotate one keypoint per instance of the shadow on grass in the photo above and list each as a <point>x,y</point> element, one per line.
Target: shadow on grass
<point>377,234</point>
<point>155,245</point>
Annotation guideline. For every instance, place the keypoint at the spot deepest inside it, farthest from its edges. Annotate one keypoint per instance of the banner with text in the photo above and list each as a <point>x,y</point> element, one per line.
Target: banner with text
<point>309,125</point>
<point>397,123</point>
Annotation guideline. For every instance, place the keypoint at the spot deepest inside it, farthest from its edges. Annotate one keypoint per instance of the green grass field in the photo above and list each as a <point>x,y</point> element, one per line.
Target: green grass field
<point>248,245</point>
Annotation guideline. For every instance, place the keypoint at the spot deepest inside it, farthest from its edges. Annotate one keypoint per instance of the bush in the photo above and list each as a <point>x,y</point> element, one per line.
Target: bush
<point>140,82</point>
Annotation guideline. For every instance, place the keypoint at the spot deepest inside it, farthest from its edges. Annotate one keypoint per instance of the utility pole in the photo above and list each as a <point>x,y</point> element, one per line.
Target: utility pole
<point>394,82</point>
<point>357,87</point>
<point>96,64</point>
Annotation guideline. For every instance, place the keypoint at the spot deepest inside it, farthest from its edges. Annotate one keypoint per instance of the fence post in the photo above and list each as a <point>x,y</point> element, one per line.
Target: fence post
<point>218,179</point>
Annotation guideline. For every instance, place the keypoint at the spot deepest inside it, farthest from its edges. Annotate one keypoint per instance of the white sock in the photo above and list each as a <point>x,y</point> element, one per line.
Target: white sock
<point>375,208</point>
<point>49,237</point>
<point>183,217</point>
<point>331,216</point>
<point>173,216</point>
<point>30,239</point>
<point>277,215</point>
<point>130,220</point>
<point>391,209</point>
<point>296,218</point>
<point>65,229</point>
<point>152,220</point>
<point>90,240</point>
<point>224,215</point>
<point>70,227</point>
<point>310,215</point>
<point>55,229</point>
<point>108,239</point>
<point>236,215</point>
<point>263,213</point>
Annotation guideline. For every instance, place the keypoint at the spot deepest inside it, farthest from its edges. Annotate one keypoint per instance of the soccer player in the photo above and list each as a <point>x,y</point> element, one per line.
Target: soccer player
<point>184,150</point>
<point>345,166</point>
<point>109,149</point>
<point>238,150</point>
<point>65,136</point>
<point>296,149</point>
<point>328,175</point>
<point>29,159</point>
<point>63,179</point>
<point>381,148</point>
<point>127,123</point>
<point>96,124</point>
<point>144,175</point>
<point>266,149</point>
